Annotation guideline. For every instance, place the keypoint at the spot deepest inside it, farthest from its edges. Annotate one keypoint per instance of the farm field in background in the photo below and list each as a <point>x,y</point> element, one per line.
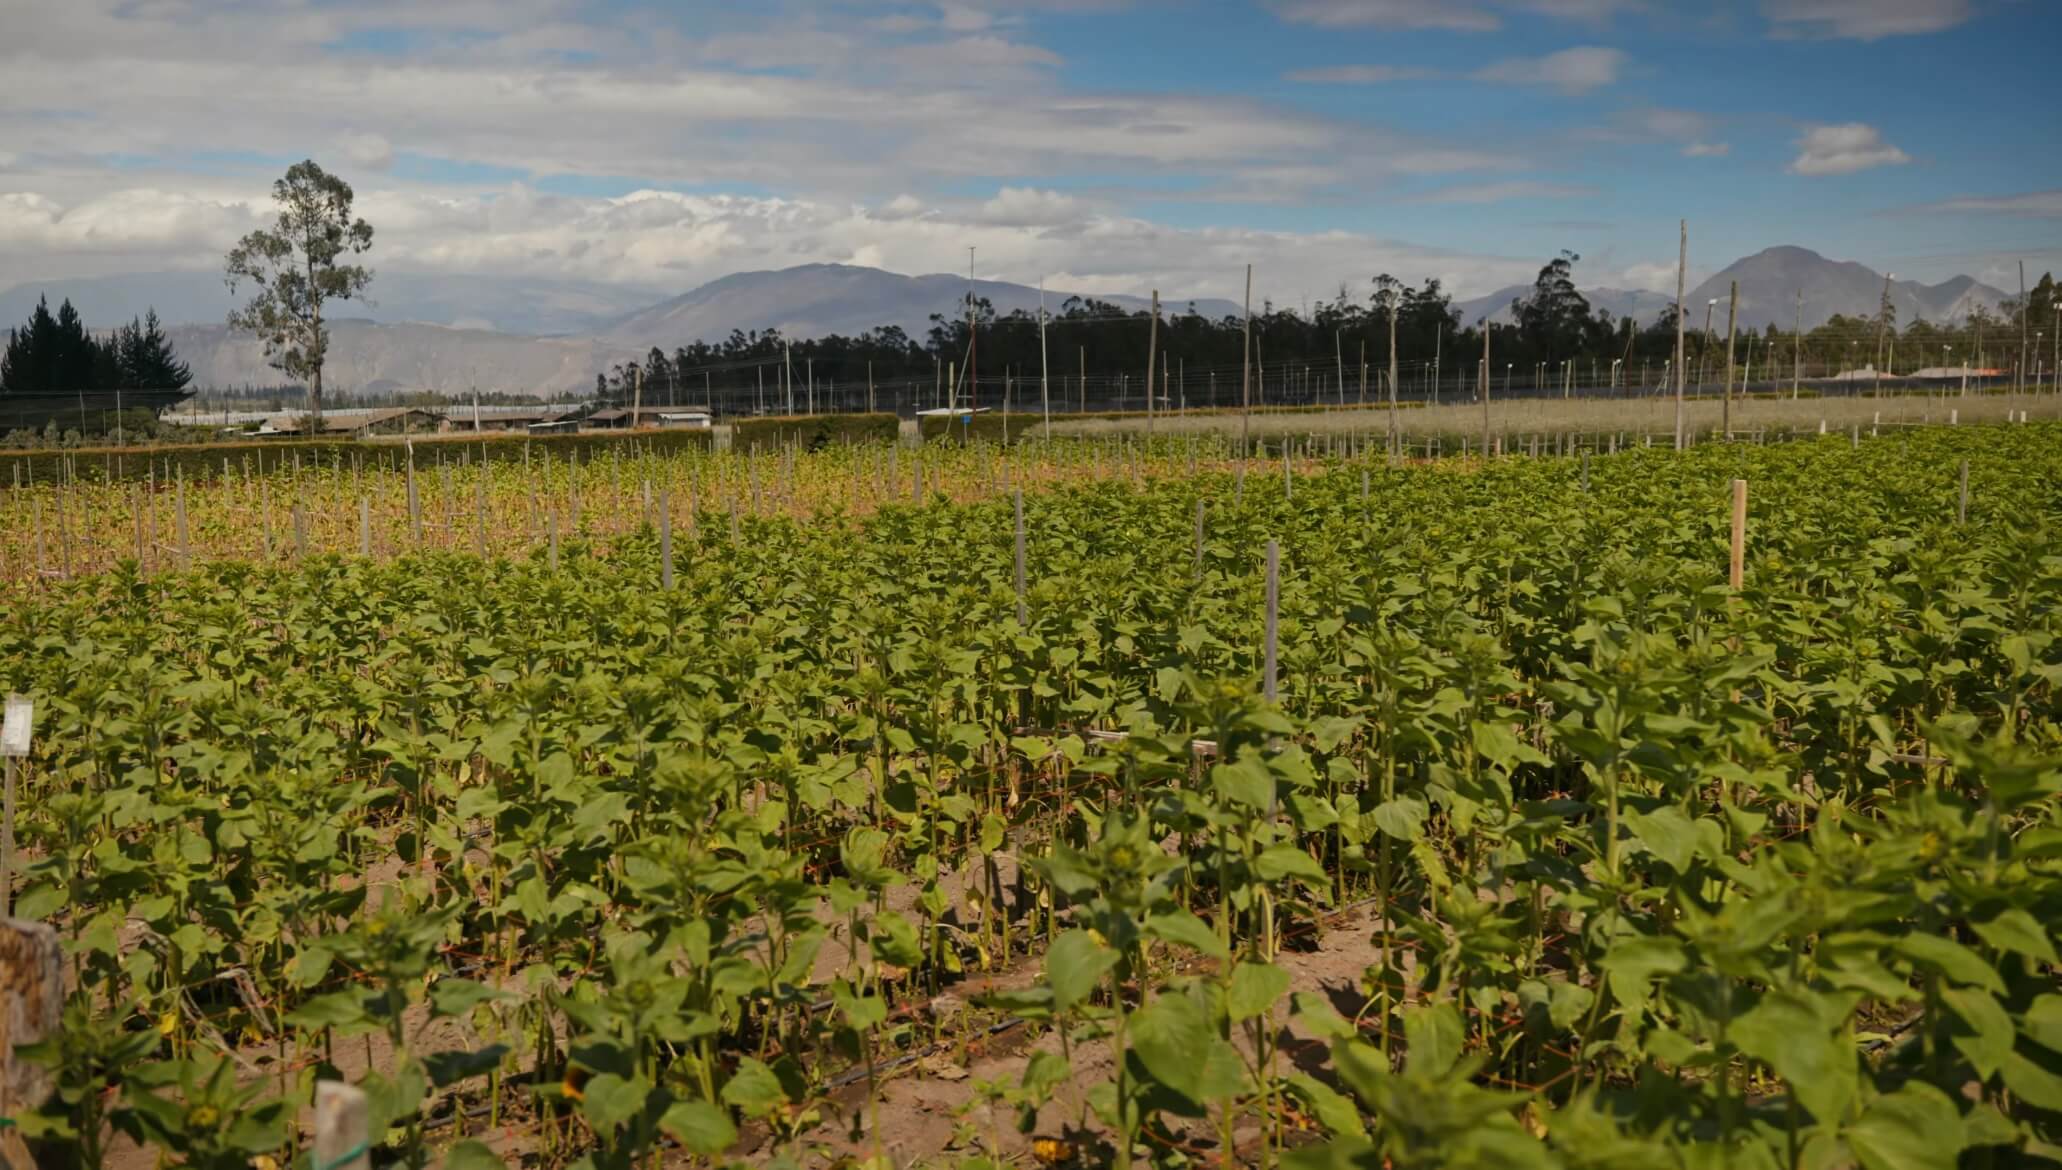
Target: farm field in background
<point>862,831</point>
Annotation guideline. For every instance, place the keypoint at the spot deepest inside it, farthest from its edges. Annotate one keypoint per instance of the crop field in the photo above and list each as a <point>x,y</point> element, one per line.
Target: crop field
<point>1324,809</point>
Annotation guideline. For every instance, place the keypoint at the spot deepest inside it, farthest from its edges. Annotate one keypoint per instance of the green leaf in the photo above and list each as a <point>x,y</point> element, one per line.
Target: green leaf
<point>700,1126</point>
<point>2032,1082</point>
<point>1245,781</point>
<point>1332,1109</point>
<point>893,939</point>
<point>1432,1036</point>
<point>2017,931</point>
<point>1254,988</point>
<point>1319,1017</point>
<point>472,1155</point>
<point>1668,833</point>
<point>1173,1037</point>
<point>1991,1041</point>
<point>455,997</point>
<point>1185,929</point>
<point>1284,861</point>
<point>1792,1035</point>
<point>609,1100</point>
<point>1402,818</point>
<point>2043,1022</point>
<point>1915,1128</point>
<point>336,1009</point>
<point>1074,964</point>
<point>445,1068</point>
<point>753,1088</point>
<point>1950,958</point>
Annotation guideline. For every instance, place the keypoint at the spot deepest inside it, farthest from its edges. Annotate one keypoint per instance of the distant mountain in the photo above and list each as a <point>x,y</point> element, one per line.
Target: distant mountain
<point>815,300</point>
<point>1769,283</point>
<point>370,358</point>
<point>1771,279</point>
<point>1622,302</point>
<point>525,306</point>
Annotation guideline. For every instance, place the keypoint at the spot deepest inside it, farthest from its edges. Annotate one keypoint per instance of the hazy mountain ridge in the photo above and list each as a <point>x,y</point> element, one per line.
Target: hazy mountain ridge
<point>1770,281</point>
<point>816,300</point>
<point>383,348</point>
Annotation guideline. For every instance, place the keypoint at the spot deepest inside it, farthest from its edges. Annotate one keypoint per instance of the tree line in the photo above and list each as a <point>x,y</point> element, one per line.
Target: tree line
<point>1095,352</point>
<point>55,353</point>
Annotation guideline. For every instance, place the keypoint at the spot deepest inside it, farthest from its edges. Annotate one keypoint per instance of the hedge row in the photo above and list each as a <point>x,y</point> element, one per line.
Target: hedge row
<point>204,461</point>
<point>813,431</point>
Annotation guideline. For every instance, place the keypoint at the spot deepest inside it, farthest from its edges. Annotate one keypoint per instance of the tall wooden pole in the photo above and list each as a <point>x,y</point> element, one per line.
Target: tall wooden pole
<point>1246,373</point>
<point>1152,350</point>
<point>1797,349</point>
<point>1394,428</point>
<point>1682,266</point>
<point>1044,378</point>
<point>1485,387</point>
<point>1725,411</point>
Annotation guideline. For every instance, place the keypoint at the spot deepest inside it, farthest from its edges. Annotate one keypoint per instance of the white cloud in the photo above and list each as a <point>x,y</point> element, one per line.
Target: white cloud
<point>1503,192</point>
<point>1453,15</point>
<point>1844,149</point>
<point>1573,71</point>
<point>1707,150</point>
<point>1387,14</point>
<point>1359,74</point>
<point>1028,207</point>
<point>1865,20</point>
<point>370,151</point>
<point>668,241</point>
<point>1656,277</point>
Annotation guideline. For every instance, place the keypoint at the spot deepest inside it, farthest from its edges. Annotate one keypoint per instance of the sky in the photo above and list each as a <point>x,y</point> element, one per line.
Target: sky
<point>1099,145</point>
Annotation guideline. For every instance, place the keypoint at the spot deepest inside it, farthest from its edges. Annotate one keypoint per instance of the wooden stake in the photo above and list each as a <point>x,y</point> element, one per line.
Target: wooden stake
<point>1739,562</point>
<point>665,539</point>
<point>1274,566</point>
<point>185,549</point>
<point>551,532</point>
<point>364,527</point>
<point>31,1001</point>
<point>1962,506</point>
<point>341,1141</point>
<point>1023,611</point>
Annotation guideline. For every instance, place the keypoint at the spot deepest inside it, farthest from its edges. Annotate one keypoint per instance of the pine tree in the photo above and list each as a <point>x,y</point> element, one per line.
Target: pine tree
<point>155,366</point>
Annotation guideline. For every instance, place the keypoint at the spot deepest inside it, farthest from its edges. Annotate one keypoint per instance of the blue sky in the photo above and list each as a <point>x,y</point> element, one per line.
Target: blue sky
<point>1104,145</point>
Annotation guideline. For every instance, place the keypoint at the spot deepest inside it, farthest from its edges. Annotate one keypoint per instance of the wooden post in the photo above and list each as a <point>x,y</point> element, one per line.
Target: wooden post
<point>364,527</point>
<point>1023,612</point>
<point>1268,685</point>
<point>185,548</point>
<point>1962,506</point>
<point>1152,349</point>
<point>32,975</point>
<point>14,744</point>
<point>1585,471</point>
<point>300,530</point>
<point>665,539</point>
<point>1738,571</point>
<point>341,1141</point>
<point>1246,377</point>
<point>1682,265</point>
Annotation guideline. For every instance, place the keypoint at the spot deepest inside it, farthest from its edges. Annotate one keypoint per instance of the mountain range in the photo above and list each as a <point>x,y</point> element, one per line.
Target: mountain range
<point>1770,282</point>
<point>455,332</point>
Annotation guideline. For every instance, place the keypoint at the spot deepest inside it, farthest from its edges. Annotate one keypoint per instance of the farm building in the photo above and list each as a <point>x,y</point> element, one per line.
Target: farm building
<point>507,418</point>
<point>618,417</point>
<point>392,420</point>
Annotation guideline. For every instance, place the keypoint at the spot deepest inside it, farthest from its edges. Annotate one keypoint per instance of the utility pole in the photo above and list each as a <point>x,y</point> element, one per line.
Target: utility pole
<point>1797,349</point>
<point>1152,350</point>
<point>1882,322</point>
<point>1682,265</point>
<point>1395,302</point>
<point>1485,387</point>
<point>1732,316</point>
<point>972,338</point>
<point>1246,373</point>
<point>1044,380</point>
<point>787,373</point>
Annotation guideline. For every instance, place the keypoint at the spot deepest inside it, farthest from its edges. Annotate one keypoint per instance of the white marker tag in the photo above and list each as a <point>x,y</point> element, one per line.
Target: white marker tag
<point>14,732</point>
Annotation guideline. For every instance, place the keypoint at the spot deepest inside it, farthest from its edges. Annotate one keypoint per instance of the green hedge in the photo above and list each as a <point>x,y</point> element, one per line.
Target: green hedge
<point>813,431</point>
<point>204,461</point>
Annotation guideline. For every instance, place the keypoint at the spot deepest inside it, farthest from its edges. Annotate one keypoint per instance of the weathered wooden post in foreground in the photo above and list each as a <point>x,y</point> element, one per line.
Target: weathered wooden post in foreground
<point>1962,505</point>
<point>665,538</point>
<point>31,997</point>
<point>14,744</point>
<point>341,1141</point>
